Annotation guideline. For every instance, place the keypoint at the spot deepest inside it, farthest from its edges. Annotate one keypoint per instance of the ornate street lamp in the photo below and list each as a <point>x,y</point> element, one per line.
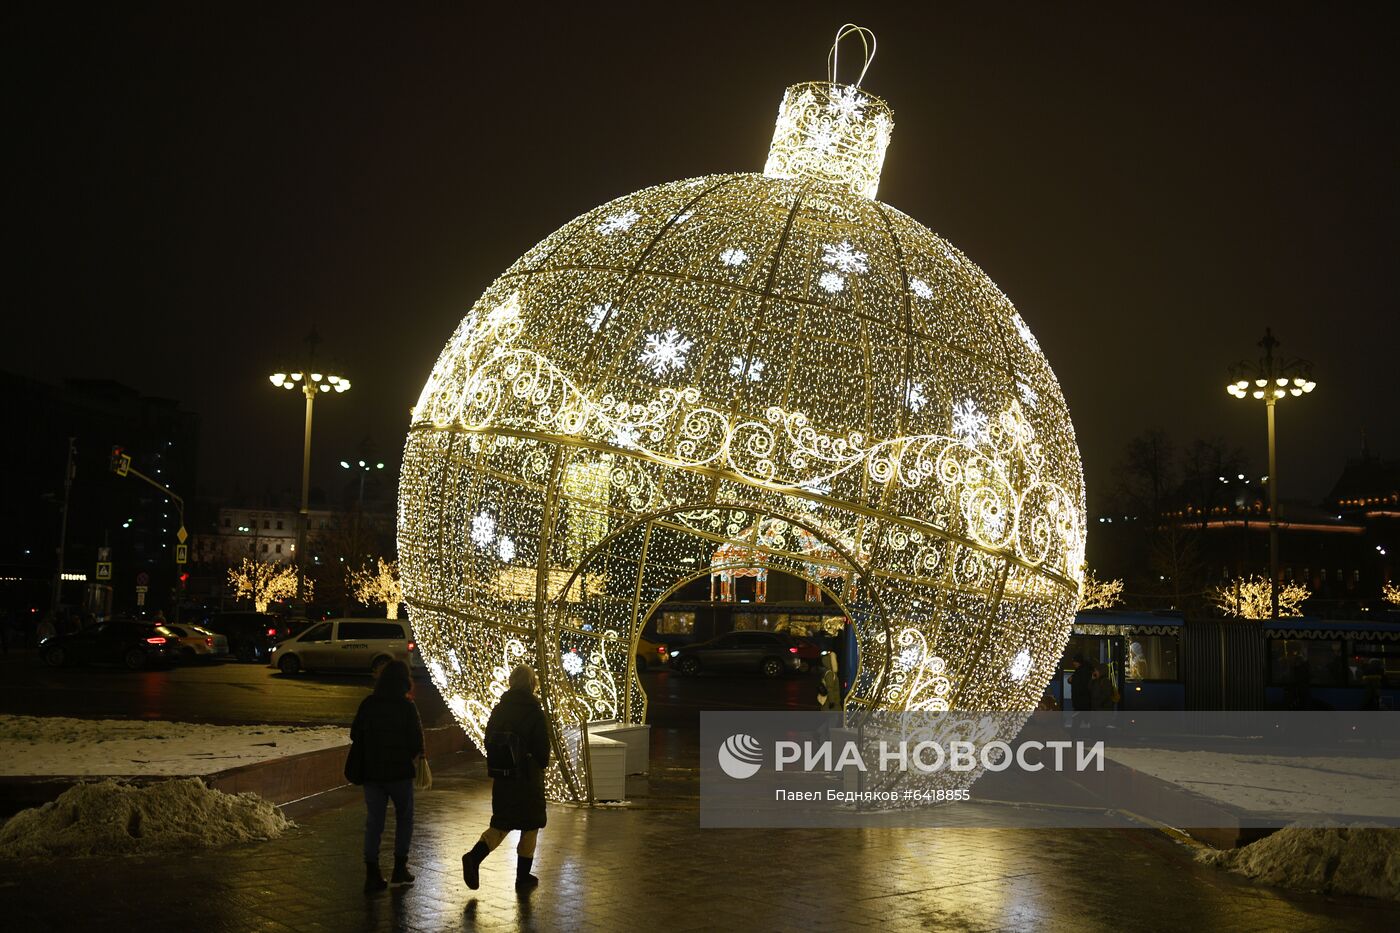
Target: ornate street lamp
<point>1269,379</point>
<point>365,469</point>
<point>312,380</point>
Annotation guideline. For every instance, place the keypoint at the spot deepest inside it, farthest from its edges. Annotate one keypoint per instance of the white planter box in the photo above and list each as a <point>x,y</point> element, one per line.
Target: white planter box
<point>637,739</point>
<point>607,763</point>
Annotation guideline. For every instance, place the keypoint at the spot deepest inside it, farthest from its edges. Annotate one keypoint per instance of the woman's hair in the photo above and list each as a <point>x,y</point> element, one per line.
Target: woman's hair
<point>522,677</point>
<point>394,680</point>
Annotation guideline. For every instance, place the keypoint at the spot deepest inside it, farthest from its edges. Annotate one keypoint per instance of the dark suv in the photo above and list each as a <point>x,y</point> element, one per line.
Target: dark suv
<point>767,653</point>
<point>250,635</point>
<point>134,644</point>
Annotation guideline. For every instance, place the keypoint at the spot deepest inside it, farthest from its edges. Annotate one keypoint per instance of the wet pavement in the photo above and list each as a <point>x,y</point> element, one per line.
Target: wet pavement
<point>649,866</point>
<point>221,692</point>
<point>235,692</point>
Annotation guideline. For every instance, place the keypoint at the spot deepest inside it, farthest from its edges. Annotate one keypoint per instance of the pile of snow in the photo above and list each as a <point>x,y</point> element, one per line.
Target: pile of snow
<point>48,746</point>
<point>112,818</point>
<point>1292,786</point>
<point>1329,859</point>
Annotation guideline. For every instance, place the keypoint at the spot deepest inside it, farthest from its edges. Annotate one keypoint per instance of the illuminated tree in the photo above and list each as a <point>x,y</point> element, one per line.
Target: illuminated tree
<point>378,585</point>
<point>1391,592</point>
<point>1100,594</point>
<point>263,582</point>
<point>1251,598</point>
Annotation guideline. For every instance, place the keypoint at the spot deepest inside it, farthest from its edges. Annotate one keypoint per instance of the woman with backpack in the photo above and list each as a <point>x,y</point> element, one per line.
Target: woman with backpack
<point>386,743</point>
<point>517,751</point>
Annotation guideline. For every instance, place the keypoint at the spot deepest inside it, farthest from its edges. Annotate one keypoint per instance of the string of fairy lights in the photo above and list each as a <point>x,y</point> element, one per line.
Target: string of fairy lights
<point>775,365</point>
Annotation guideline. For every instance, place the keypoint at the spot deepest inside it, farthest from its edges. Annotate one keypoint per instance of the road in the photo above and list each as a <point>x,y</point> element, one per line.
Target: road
<point>233,692</point>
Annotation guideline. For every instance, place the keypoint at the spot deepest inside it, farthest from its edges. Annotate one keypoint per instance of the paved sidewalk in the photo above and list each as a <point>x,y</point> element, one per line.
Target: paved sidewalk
<point>652,868</point>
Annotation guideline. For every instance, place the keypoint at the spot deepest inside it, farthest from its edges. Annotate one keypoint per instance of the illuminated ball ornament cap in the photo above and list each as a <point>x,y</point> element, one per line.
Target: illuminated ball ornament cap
<point>772,371</point>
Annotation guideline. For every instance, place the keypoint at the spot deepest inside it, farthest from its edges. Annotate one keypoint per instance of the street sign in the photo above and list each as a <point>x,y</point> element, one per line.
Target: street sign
<point>181,552</point>
<point>104,570</point>
<point>140,596</point>
<point>104,553</point>
<point>142,579</point>
<point>181,535</point>
<point>121,462</point>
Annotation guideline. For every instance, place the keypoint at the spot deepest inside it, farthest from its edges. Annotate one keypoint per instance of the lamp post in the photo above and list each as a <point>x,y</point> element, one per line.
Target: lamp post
<point>365,469</point>
<point>1269,380</point>
<point>312,381</point>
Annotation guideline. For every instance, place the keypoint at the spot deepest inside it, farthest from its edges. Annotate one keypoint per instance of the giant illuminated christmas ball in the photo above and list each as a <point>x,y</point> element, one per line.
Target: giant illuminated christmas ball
<point>767,370</point>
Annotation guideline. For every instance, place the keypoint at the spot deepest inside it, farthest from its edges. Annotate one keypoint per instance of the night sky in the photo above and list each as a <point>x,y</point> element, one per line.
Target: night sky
<point>193,186</point>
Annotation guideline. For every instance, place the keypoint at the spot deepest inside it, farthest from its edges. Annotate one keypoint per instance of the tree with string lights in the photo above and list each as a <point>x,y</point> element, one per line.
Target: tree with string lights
<point>1252,598</point>
<point>1100,594</point>
<point>381,584</point>
<point>263,582</point>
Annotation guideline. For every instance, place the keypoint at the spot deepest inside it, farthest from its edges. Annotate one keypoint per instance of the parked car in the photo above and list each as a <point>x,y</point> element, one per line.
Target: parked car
<point>651,654</point>
<point>346,644</point>
<point>809,653</point>
<point>195,643</point>
<point>135,645</point>
<point>768,653</point>
<point>251,635</point>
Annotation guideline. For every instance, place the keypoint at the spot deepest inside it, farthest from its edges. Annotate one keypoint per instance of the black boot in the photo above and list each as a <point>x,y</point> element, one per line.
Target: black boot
<point>374,881</point>
<point>524,881</point>
<point>471,865</point>
<point>401,875</point>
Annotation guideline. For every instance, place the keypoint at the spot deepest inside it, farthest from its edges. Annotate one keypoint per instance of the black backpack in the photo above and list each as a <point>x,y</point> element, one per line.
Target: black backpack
<point>506,756</point>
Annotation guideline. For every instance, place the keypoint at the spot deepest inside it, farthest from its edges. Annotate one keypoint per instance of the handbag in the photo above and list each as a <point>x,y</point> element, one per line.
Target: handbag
<point>355,764</point>
<point>423,775</point>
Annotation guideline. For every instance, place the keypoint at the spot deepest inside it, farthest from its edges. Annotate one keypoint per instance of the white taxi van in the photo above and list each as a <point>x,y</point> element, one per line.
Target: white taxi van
<point>346,644</point>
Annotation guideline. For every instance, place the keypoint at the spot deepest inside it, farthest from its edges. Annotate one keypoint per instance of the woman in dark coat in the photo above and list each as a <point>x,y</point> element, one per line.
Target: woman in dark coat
<point>388,738</point>
<point>517,749</point>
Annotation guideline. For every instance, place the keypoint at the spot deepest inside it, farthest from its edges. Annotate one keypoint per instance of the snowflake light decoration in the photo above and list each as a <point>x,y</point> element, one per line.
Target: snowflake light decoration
<point>1020,665</point>
<point>483,529</point>
<point>1027,337</point>
<point>1029,396</point>
<point>665,351</point>
<point>619,222</point>
<point>914,397</point>
<point>616,410</point>
<point>847,104</point>
<point>969,424</point>
<point>844,256</point>
<point>597,314</point>
<point>755,368</point>
<point>822,139</point>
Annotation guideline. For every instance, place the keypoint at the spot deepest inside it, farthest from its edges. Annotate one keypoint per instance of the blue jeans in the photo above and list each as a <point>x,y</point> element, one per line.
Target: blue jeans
<point>377,797</point>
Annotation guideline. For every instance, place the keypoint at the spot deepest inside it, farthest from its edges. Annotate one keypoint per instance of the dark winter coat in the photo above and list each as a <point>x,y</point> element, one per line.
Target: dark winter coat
<point>518,802</point>
<point>1081,688</point>
<point>1102,689</point>
<point>391,736</point>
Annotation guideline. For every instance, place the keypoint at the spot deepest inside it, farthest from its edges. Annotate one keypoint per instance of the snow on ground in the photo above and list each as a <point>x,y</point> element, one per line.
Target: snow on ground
<point>1333,860</point>
<point>1306,788</point>
<point>47,746</point>
<point>111,818</point>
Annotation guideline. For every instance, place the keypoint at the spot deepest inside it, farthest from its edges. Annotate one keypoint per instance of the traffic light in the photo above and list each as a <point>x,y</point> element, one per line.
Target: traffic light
<point>121,462</point>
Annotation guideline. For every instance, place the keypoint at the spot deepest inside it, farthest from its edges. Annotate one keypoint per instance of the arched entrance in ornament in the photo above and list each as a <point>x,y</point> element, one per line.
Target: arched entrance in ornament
<point>588,645</point>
